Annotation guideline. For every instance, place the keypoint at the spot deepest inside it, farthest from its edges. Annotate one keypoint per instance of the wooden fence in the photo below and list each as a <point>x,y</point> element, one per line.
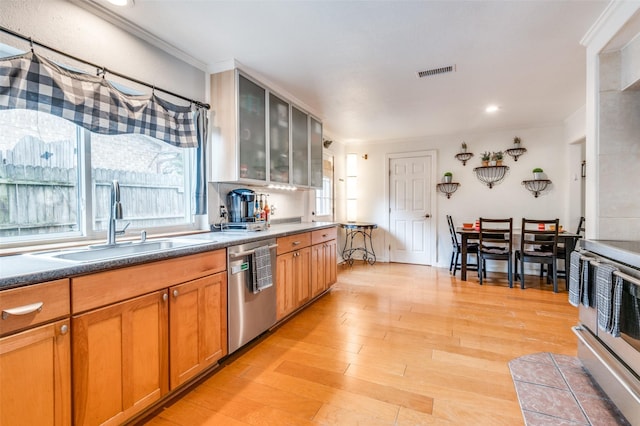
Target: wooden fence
<point>41,200</point>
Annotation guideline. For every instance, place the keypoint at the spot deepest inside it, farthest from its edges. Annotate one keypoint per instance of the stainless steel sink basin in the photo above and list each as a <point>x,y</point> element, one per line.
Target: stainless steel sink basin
<point>97,253</point>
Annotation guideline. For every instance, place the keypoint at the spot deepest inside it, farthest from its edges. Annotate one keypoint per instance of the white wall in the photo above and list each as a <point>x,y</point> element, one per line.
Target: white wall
<point>66,27</point>
<point>546,148</point>
<point>612,209</point>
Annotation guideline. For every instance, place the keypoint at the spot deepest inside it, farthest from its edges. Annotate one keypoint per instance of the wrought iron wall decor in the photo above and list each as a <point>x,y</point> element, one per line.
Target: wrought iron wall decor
<point>464,157</point>
<point>448,188</point>
<point>490,175</point>
<point>536,186</point>
<point>515,152</point>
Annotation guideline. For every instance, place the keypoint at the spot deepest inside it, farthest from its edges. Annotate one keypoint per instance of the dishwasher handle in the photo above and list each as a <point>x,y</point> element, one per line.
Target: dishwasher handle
<point>247,252</point>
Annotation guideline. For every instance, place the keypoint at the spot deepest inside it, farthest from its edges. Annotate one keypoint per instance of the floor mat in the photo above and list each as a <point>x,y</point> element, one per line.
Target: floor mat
<point>556,390</point>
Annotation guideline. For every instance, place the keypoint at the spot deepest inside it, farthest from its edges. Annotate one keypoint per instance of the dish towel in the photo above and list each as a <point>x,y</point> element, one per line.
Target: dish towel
<point>630,318</point>
<point>614,327</point>
<point>586,285</point>
<point>576,285</point>
<point>261,263</point>
<point>605,296</point>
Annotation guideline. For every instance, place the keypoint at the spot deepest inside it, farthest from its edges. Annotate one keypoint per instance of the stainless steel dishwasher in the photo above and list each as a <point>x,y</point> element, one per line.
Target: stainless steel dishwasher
<point>250,312</point>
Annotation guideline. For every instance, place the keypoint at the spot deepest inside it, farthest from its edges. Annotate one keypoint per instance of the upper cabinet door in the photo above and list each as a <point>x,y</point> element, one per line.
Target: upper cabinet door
<point>300,145</point>
<point>278,140</point>
<point>252,130</point>
<point>315,136</point>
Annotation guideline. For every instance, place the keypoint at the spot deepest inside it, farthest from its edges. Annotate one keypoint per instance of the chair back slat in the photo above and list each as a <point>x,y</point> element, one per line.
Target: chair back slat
<point>452,231</point>
<point>496,235</point>
<point>535,241</point>
<point>581,228</point>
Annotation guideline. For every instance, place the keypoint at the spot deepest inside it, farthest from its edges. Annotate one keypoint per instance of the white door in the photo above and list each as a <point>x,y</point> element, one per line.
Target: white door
<point>410,210</point>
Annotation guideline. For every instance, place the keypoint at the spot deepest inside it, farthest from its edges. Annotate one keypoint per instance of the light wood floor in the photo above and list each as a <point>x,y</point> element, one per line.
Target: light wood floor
<point>391,344</point>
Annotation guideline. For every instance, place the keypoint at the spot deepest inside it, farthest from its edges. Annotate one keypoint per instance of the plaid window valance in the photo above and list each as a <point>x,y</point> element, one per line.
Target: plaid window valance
<point>30,81</point>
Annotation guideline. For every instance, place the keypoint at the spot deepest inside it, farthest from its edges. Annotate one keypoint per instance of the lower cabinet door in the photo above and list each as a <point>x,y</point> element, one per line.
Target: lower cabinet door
<point>197,326</point>
<point>120,362</point>
<point>302,276</point>
<point>285,284</point>
<point>35,376</point>
<point>318,267</point>
<point>331,265</point>
<point>323,266</point>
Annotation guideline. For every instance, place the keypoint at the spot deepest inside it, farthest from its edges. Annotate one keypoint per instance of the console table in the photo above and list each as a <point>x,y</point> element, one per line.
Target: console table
<point>352,230</point>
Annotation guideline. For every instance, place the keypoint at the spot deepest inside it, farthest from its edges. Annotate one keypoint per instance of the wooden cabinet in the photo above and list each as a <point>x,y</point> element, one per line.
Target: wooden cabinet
<point>35,363</point>
<point>197,326</point>
<point>292,283</point>
<point>243,110</point>
<point>293,287</point>
<point>120,361</point>
<point>123,333</point>
<point>323,260</point>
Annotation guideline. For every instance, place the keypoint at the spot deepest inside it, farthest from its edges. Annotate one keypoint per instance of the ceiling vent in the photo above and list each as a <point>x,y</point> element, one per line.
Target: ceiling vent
<point>436,71</point>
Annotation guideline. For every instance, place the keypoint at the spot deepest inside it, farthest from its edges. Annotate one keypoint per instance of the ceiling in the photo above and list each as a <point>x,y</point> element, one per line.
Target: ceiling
<point>354,63</point>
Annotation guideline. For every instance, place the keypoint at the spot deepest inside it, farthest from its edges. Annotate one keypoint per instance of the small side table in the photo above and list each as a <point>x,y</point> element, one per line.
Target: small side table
<point>352,230</point>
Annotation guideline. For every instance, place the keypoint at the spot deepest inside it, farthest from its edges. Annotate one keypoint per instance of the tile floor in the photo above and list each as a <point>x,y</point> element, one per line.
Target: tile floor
<point>556,390</point>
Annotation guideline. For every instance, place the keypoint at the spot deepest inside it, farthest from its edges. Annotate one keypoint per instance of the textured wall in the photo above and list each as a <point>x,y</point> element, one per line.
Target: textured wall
<point>66,27</point>
<point>619,153</point>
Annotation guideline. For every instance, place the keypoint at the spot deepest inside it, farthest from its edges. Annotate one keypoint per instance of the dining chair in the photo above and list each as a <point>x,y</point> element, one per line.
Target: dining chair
<point>495,243</point>
<point>538,244</point>
<point>472,248</point>
<point>562,273</point>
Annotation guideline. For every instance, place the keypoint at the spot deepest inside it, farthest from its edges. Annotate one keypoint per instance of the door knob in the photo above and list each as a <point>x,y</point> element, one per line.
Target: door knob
<point>427,215</point>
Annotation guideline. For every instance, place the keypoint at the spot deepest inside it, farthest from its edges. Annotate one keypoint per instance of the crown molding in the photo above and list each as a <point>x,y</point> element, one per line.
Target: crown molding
<point>101,11</point>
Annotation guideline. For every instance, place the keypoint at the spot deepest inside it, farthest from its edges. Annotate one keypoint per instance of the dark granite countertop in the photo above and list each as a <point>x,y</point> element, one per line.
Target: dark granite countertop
<point>627,252</point>
<point>26,269</point>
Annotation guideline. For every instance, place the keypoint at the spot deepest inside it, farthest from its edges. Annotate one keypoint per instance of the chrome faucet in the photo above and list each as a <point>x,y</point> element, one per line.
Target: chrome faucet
<point>115,213</point>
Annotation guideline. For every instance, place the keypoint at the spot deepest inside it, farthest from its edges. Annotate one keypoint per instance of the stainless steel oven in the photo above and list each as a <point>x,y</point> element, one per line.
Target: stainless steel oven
<point>613,360</point>
<point>250,310</point>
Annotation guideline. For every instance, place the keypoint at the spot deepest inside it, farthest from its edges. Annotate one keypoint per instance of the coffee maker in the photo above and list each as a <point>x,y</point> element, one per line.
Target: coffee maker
<point>240,203</point>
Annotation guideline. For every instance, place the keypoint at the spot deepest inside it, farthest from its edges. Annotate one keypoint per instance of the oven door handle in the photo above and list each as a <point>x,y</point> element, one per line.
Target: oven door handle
<point>248,252</point>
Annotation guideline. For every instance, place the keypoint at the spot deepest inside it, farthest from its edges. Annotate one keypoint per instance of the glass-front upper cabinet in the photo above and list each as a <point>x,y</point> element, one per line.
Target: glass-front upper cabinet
<point>258,137</point>
<point>251,129</point>
<point>278,140</point>
<point>300,146</point>
<point>315,139</point>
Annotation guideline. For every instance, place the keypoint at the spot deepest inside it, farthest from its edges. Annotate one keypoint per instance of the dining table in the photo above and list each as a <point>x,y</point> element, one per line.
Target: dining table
<point>469,234</point>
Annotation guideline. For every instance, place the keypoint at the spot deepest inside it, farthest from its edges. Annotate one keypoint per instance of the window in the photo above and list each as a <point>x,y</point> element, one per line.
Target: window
<point>46,193</point>
<point>324,197</point>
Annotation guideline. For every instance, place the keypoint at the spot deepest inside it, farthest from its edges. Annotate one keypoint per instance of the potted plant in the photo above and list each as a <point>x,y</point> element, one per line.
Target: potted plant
<point>516,142</point>
<point>537,173</point>
<point>485,157</point>
<point>447,177</point>
<point>497,157</point>
<point>464,146</point>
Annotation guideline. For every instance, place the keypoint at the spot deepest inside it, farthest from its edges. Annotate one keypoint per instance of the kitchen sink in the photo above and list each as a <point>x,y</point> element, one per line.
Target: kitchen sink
<point>98,253</point>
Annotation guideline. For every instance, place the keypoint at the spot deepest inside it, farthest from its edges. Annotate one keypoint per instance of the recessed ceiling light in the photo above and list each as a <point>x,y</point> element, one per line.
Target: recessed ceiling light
<point>492,109</point>
<point>121,2</point>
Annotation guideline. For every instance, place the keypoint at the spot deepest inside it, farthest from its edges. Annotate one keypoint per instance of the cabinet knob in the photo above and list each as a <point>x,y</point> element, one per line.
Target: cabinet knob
<point>64,329</point>
<point>165,297</point>
<point>175,293</point>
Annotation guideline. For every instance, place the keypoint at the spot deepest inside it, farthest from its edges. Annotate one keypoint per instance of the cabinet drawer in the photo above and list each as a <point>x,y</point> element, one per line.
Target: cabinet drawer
<point>294,242</point>
<point>105,288</point>
<point>323,235</point>
<point>32,305</point>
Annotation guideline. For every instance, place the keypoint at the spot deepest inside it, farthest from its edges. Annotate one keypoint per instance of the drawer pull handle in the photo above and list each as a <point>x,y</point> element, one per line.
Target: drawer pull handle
<point>296,243</point>
<point>324,235</point>
<point>175,293</point>
<point>22,310</point>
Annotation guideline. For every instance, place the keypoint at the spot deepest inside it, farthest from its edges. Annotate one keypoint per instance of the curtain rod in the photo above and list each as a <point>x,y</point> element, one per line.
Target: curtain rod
<point>100,68</point>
